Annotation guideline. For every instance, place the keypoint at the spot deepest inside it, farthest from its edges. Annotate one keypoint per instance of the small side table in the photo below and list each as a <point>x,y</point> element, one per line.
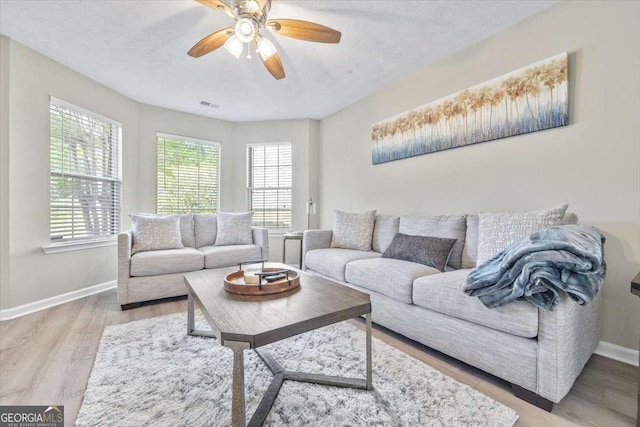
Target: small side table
<point>291,236</point>
<point>635,289</point>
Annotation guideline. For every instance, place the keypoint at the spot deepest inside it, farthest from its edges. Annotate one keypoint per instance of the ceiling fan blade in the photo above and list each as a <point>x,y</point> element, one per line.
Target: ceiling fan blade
<point>211,42</point>
<point>218,5</point>
<point>274,65</point>
<point>304,30</point>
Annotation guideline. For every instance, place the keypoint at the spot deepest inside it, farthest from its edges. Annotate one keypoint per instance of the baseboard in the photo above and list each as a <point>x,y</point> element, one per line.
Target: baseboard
<point>617,352</point>
<point>21,310</point>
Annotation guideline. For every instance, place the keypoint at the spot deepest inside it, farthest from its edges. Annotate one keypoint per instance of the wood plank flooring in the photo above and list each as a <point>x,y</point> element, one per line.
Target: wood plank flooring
<point>46,358</point>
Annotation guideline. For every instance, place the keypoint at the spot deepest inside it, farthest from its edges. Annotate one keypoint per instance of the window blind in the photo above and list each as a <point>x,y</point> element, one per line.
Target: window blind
<point>269,185</point>
<point>85,185</point>
<point>187,175</point>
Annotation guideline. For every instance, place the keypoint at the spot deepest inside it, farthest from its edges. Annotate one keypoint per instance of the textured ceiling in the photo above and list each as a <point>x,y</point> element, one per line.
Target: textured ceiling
<point>139,48</point>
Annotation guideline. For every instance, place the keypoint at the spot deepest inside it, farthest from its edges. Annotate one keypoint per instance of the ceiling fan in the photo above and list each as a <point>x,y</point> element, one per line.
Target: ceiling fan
<point>251,17</point>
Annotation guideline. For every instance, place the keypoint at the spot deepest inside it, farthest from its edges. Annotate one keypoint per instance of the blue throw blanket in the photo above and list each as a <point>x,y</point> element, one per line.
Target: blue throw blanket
<point>564,258</point>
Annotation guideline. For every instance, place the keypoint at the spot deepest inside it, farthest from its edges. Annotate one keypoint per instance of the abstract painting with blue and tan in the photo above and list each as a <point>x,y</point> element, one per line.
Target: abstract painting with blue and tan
<point>530,99</point>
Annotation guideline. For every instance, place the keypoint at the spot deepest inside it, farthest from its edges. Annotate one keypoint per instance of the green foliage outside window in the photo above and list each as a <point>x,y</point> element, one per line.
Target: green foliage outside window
<point>187,176</point>
<point>85,183</point>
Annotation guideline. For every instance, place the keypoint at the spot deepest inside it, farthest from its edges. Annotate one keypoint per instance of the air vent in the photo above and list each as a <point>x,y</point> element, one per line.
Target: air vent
<point>209,104</point>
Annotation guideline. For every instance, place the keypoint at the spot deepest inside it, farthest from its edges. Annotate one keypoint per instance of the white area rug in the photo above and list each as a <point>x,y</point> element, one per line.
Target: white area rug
<point>150,373</point>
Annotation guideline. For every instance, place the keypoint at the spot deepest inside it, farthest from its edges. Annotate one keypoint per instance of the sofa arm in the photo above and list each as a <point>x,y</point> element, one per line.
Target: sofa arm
<point>125,242</point>
<point>261,238</point>
<point>567,337</point>
<point>315,239</point>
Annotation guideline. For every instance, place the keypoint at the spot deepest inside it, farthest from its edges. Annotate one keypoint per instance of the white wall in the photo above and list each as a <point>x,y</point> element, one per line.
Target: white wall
<point>593,164</point>
<point>301,134</point>
<point>33,79</point>
<point>234,138</point>
<point>28,79</point>
<point>4,169</point>
<point>154,120</point>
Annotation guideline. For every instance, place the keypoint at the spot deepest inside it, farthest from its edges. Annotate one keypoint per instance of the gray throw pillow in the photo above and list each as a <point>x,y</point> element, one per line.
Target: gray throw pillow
<point>234,228</point>
<point>498,230</point>
<point>445,226</point>
<point>353,230</point>
<point>155,232</point>
<point>430,251</point>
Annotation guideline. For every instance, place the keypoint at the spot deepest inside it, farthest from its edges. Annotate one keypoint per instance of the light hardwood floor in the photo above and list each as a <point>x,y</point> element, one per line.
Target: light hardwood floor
<point>46,358</point>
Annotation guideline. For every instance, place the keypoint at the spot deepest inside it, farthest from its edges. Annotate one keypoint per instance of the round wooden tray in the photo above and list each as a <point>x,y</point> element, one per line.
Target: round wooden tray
<point>234,283</point>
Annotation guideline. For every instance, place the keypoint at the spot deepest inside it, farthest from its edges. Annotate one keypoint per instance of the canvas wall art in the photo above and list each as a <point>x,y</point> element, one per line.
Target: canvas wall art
<point>530,99</point>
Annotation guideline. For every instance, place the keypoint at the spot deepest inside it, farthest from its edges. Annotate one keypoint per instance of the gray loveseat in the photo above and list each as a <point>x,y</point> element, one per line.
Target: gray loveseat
<point>151,275</point>
<point>540,353</point>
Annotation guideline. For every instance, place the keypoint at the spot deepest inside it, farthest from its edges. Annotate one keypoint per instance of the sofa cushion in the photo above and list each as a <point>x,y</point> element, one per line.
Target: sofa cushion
<point>443,293</point>
<point>391,277</point>
<point>206,229</point>
<point>166,261</point>
<point>447,226</point>
<point>187,231</point>
<point>470,250</point>
<point>331,262</point>
<point>234,228</point>
<point>384,230</point>
<point>226,256</point>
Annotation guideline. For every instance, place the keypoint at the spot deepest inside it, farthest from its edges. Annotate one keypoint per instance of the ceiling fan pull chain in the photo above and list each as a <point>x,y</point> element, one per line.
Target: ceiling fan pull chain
<point>248,50</point>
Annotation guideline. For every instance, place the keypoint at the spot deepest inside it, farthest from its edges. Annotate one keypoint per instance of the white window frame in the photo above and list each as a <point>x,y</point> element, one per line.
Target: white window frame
<point>272,231</point>
<point>191,140</point>
<point>80,244</point>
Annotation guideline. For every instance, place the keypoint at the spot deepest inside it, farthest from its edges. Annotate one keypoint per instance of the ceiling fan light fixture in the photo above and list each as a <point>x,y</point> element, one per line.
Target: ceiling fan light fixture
<point>253,6</point>
<point>234,46</point>
<point>266,49</point>
<point>245,30</point>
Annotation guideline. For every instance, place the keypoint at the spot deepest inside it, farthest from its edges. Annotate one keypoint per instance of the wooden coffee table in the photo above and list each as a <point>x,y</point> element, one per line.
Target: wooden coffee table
<point>249,322</point>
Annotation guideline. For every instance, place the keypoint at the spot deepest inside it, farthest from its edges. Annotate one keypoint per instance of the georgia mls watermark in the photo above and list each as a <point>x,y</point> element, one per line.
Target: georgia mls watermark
<point>31,416</point>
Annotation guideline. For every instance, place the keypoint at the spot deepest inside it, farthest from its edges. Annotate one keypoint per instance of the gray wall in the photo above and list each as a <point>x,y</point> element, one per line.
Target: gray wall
<point>593,164</point>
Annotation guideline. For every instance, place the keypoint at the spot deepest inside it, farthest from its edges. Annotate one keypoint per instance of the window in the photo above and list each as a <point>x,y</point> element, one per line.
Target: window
<point>188,175</point>
<point>85,174</point>
<point>269,185</point>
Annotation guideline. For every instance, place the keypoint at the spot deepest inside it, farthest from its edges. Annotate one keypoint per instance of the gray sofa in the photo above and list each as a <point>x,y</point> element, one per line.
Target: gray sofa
<point>151,275</point>
<point>540,353</point>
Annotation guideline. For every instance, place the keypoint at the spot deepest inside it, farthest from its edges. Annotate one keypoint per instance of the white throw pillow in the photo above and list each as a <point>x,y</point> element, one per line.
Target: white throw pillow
<point>353,230</point>
<point>234,228</point>
<point>154,232</point>
<point>498,230</point>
